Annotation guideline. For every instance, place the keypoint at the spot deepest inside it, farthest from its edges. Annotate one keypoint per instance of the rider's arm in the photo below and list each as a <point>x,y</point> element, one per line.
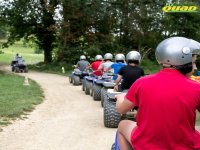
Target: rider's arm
<point>117,81</point>
<point>123,105</point>
<point>100,67</point>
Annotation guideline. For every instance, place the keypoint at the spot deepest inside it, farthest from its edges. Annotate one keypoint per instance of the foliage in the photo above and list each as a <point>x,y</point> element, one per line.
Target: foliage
<point>27,18</point>
<point>94,27</point>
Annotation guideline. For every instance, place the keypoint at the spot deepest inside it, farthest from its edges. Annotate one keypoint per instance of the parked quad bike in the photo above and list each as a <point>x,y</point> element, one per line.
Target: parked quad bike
<point>111,116</point>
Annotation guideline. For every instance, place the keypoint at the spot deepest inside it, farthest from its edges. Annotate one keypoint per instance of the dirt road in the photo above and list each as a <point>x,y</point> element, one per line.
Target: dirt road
<point>66,120</point>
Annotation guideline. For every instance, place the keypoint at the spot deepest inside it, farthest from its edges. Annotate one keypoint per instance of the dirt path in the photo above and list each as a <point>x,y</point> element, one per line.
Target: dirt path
<point>66,120</point>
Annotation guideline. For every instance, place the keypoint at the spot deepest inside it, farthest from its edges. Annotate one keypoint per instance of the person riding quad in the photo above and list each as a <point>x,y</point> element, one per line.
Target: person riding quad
<point>129,73</point>
<point>167,102</point>
<point>119,63</point>
<point>95,65</point>
<point>107,63</point>
<point>82,64</point>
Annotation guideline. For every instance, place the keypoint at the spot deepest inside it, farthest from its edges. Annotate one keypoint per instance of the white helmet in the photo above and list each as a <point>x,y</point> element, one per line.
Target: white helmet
<point>98,57</point>
<point>176,51</point>
<point>82,57</point>
<point>133,55</point>
<point>119,57</point>
<point>108,56</point>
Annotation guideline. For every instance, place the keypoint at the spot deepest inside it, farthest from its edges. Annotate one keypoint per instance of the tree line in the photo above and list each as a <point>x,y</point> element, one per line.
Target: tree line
<point>65,29</point>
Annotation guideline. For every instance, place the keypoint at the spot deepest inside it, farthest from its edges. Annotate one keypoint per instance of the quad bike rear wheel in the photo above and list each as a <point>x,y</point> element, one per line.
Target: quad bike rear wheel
<point>103,95</point>
<point>87,87</point>
<point>76,80</point>
<point>96,92</point>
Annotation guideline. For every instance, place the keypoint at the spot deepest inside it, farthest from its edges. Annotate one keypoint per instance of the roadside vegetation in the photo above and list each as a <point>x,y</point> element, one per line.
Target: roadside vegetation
<point>16,99</point>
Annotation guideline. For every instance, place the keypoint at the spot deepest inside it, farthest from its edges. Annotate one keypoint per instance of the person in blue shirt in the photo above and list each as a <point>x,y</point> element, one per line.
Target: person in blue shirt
<point>119,63</point>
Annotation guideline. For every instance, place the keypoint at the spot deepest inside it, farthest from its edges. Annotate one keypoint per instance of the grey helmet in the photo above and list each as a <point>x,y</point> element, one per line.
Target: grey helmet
<point>98,57</point>
<point>176,51</point>
<point>108,56</point>
<point>119,57</point>
<point>133,55</point>
<point>82,57</point>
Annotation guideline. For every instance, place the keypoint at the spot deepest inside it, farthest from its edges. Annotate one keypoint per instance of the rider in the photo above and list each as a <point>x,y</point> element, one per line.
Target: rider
<point>82,64</point>
<point>167,102</point>
<point>95,65</point>
<point>129,73</point>
<point>119,63</point>
<point>107,63</point>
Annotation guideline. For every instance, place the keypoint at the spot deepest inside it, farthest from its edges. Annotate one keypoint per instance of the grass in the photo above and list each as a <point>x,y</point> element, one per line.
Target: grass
<point>55,68</point>
<point>15,98</point>
<point>27,52</point>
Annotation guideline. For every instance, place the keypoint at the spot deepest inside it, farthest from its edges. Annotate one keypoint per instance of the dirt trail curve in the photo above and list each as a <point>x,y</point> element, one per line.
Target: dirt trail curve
<point>66,120</point>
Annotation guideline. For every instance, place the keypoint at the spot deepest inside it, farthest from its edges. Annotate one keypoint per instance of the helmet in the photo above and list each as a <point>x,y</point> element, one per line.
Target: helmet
<point>82,57</point>
<point>176,51</point>
<point>108,56</point>
<point>133,55</point>
<point>98,57</point>
<point>119,57</point>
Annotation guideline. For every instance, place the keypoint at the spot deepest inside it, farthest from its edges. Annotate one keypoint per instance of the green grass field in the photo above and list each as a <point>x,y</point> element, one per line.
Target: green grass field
<point>26,52</point>
<point>16,99</point>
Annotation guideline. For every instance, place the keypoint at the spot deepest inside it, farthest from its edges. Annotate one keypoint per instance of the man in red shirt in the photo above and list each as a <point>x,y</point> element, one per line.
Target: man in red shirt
<point>167,102</point>
<point>95,65</point>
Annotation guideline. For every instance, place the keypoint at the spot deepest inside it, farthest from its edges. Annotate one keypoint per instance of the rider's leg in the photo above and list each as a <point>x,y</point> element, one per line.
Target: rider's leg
<point>124,133</point>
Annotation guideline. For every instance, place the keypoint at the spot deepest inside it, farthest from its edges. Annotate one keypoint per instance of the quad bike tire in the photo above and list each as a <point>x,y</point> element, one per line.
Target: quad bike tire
<point>83,85</point>
<point>87,87</point>
<point>70,79</point>
<point>103,95</point>
<point>96,92</point>
<point>26,70</point>
<point>17,69</point>
<point>113,146</point>
<point>111,116</point>
<point>76,80</point>
<point>91,89</point>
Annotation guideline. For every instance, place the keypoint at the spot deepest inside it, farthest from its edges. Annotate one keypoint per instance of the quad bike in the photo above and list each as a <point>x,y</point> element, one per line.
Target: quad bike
<point>88,80</point>
<point>77,76</point>
<point>98,84</point>
<point>111,116</point>
<point>18,67</point>
<point>104,89</point>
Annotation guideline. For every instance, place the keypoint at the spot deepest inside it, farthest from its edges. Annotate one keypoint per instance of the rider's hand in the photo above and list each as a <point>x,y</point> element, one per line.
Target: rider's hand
<point>116,88</point>
<point>120,97</point>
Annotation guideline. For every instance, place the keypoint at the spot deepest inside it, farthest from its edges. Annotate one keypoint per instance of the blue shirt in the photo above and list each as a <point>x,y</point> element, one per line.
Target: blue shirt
<point>117,67</point>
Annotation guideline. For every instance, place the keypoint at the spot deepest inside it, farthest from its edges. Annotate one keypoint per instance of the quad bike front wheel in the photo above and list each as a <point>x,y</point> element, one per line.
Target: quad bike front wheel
<point>111,116</point>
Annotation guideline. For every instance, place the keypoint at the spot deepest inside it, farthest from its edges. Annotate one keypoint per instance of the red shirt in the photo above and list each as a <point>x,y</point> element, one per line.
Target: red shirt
<point>95,65</point>
<point>166,116</point>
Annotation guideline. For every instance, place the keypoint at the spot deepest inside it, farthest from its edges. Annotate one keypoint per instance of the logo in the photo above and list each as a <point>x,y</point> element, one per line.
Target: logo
<point>178,8</point>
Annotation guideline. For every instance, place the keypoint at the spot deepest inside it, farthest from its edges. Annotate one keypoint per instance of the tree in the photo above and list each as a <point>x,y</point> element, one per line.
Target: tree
<point>31,17</point>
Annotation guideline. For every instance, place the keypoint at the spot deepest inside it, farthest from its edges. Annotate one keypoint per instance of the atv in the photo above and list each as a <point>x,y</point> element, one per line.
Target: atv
<point>111,116</point>
<point>77,76</point>
<point>98,84</point>
<point>18,67</point>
